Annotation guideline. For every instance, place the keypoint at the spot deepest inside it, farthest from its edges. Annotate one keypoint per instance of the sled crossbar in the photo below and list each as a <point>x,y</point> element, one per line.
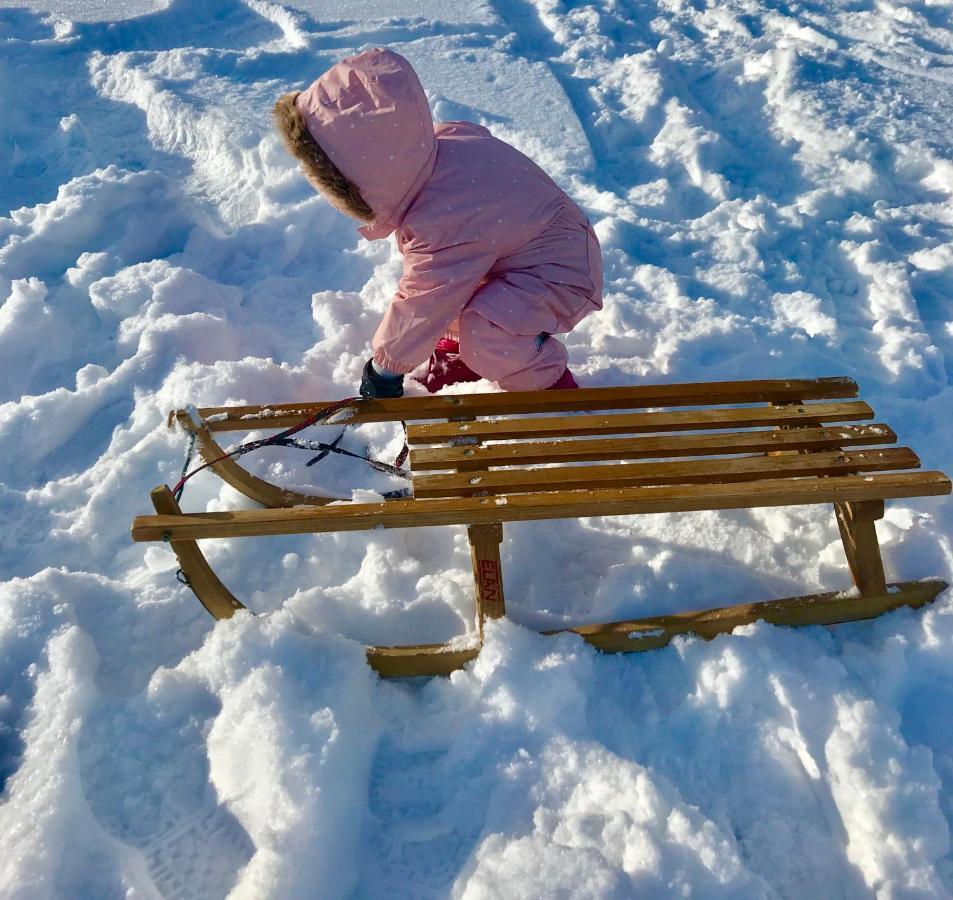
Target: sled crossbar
<point>481,460</point>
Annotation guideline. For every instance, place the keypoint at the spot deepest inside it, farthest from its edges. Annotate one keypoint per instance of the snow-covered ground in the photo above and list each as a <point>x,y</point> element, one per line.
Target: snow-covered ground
<point>773,187</point>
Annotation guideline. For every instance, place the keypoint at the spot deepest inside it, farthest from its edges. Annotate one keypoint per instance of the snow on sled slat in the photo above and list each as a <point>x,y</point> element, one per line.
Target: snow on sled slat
<point>548,505</point>
<point>814,609</point>
<point>583,450</point>
<point>639,474</point>
<point>634,423</point>
<point>284,415</point>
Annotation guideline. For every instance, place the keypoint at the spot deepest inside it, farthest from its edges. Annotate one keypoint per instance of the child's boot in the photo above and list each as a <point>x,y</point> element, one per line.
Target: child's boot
<point>446,367</point>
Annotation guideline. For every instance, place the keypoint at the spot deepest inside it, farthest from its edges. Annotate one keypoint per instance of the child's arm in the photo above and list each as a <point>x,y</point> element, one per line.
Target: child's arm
<point>435,287</point>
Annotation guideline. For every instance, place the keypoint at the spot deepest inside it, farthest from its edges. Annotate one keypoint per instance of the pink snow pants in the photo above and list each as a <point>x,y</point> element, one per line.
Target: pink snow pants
<point>518,362</point>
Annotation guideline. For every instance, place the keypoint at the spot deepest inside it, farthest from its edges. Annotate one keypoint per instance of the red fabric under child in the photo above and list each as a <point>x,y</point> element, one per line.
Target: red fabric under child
<point>446,367</point>
<point>565,382</point>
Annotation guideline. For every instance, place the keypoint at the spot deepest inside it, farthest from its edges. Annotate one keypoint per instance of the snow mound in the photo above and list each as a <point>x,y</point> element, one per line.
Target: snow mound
<point>771,187</point>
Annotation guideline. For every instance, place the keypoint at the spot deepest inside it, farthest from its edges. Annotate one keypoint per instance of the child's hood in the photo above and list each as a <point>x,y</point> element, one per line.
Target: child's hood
<point>370,115</point>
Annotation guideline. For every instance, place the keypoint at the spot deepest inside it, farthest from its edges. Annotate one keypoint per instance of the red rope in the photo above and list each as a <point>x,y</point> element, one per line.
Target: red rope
<point>404,451</point>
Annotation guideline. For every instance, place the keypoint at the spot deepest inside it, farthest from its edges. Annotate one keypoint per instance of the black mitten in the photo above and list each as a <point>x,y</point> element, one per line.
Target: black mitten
<point>381,387</point>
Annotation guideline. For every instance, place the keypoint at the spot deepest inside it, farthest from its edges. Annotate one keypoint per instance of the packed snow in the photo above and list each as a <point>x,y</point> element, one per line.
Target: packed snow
<point>772,185</point>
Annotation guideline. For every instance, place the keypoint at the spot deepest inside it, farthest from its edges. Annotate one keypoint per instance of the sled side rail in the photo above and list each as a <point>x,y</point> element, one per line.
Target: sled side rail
<point>536,506</point>
<point>830,608</point>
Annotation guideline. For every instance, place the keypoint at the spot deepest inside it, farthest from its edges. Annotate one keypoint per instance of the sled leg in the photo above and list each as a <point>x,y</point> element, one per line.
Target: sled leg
<point>211,593</point>
<point>856,522</point>
<point>389,662</point>
<point>485,543</point>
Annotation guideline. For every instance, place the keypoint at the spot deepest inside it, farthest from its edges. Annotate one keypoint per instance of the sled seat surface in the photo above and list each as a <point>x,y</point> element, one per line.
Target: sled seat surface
<point>485,459</point>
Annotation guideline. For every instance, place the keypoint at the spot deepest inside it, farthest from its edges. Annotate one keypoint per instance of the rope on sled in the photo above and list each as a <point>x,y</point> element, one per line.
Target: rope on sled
<point>334,448</point>
<point>183,477</point>
<point>286,439</point>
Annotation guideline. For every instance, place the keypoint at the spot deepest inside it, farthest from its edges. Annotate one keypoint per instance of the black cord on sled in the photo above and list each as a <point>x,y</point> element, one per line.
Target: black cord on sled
<point>285,439</point>
<point>333,447</point>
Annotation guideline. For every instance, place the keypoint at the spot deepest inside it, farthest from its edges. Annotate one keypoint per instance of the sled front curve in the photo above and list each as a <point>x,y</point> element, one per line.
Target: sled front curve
<point>253,487</point>
<point>193,566</point>
<point>218,600</point>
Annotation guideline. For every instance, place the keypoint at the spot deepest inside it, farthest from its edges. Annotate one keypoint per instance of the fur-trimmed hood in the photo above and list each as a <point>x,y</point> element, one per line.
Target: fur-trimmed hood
<point>363,133</point>
<point>318,168</point>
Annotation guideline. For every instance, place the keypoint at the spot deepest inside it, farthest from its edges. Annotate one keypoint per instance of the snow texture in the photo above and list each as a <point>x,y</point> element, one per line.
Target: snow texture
<point>773,189</point>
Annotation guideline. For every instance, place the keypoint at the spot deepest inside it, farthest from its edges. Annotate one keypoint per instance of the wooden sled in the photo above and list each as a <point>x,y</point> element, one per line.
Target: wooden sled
<point>484,459</point>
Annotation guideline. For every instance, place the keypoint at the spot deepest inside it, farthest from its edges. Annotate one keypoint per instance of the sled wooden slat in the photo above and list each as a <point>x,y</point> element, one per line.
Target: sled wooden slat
<point>707,471</point>
<point>284,415</point>
<point>675,445</point>
<point>545,505</point>
<point>635,423</point>
<point>814,609</point>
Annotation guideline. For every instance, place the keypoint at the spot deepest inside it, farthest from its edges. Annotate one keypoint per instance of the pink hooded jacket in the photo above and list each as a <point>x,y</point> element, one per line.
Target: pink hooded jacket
<point>466,208</point>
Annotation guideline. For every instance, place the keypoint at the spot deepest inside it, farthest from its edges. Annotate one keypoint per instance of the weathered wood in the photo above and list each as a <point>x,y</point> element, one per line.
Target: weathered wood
<point>859,535</point>
<point>244,482</point>
<point>211,593</point>
<point>635,423</point>
<point>283,415</point>
<point>554,505</point>
<point>654,447</point>
<point>790,426</point>
<point>487,570</point>
<point>638,474</point>
<point>815,609</point>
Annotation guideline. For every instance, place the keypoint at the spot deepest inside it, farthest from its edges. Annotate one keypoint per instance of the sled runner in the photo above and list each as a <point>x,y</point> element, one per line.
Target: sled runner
<point>481,460</point>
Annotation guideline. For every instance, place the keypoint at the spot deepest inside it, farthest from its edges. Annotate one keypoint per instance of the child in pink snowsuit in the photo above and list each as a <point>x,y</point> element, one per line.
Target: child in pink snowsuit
<point>496,256</point>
